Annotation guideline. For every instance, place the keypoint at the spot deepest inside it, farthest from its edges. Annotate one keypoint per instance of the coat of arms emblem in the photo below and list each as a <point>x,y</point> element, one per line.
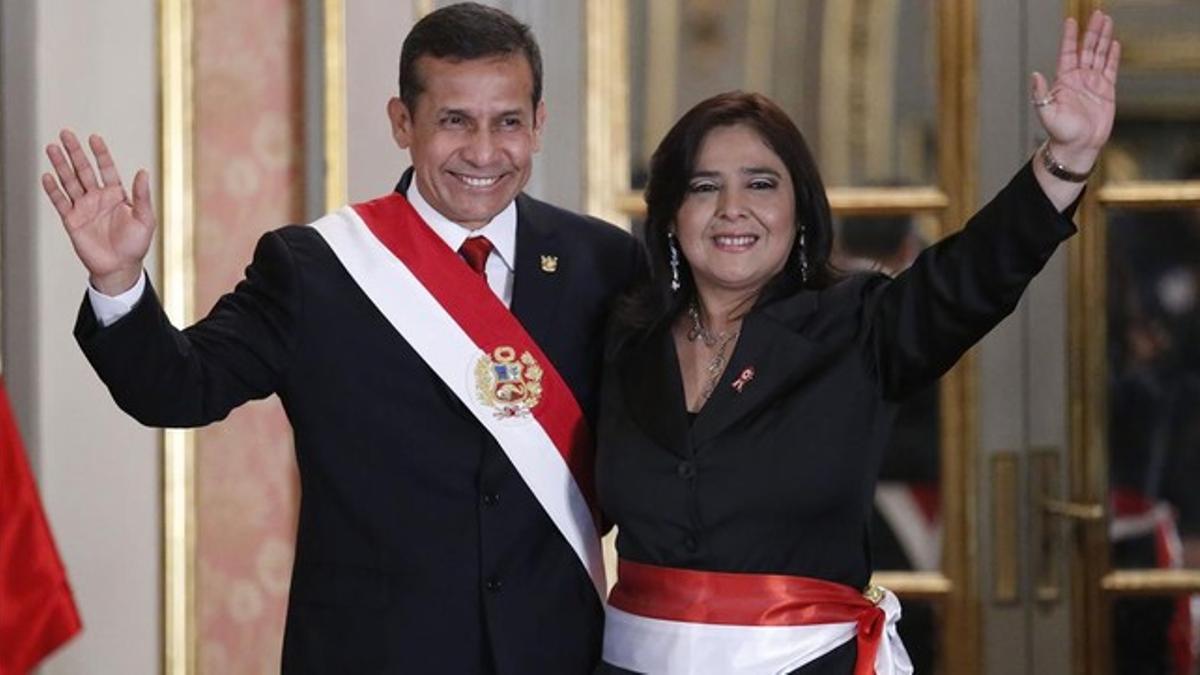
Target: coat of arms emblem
<point>508,383</point>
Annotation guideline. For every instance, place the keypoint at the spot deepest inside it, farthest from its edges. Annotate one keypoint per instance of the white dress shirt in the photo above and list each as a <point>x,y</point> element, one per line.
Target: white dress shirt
<point>501,231</point>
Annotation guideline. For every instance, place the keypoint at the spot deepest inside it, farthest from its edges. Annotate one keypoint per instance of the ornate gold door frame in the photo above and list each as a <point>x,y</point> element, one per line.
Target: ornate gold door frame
<point>1094,583</point>
<point>178,277</point>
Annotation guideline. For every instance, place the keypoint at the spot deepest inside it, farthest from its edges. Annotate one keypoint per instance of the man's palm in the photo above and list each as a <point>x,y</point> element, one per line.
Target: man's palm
<point>110,233</point>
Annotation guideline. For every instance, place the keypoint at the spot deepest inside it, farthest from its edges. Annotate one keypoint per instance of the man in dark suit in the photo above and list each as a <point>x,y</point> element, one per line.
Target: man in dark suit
<point>421,546</point>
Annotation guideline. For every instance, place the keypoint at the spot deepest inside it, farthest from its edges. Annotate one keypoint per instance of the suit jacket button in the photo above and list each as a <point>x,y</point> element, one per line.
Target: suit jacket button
<point>686,470</point>
<point>493,584</point>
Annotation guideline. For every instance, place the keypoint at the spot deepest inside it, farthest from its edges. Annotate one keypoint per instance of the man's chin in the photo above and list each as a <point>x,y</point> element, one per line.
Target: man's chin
<point>479,211</point>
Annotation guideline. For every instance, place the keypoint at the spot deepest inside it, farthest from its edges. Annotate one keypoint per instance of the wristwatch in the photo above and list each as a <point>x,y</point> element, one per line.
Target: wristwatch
<point>1057,170</point>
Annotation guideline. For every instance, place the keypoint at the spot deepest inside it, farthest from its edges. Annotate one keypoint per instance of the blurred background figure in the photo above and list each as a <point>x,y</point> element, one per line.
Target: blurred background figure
<point>1154,426</point>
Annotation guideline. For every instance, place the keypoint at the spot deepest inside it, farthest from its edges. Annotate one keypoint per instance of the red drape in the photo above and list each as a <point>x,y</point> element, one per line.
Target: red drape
<point>37,610</point>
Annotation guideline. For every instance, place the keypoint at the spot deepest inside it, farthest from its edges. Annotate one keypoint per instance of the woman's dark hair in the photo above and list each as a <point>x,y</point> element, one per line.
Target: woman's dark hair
<point>671,169</point>
<point>463,32</point>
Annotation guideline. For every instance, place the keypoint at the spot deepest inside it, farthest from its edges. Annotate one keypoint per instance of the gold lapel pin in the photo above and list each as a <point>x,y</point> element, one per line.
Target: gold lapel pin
<point>549,264</point>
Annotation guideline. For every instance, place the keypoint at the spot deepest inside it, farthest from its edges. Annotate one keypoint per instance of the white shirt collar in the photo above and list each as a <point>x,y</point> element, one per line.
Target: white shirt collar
<point>501,231</point>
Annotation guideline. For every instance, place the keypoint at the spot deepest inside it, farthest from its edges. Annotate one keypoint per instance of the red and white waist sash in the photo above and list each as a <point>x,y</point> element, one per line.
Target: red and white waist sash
<point>481,352</point>
<point>676,621</point>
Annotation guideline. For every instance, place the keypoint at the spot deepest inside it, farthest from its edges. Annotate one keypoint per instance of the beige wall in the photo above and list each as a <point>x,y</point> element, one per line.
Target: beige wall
<point>90,66</point>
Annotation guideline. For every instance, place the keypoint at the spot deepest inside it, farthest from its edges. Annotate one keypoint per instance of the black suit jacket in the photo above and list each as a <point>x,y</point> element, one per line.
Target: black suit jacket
<point>419,548</point>
<point>778,478</point>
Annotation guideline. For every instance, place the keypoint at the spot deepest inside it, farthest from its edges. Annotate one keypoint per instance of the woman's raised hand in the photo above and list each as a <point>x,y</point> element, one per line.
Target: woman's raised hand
<point>1077,109</point>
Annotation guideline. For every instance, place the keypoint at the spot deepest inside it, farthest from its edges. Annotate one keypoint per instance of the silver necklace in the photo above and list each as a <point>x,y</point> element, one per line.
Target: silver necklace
<point>722,340</point>
<point>699,330</point>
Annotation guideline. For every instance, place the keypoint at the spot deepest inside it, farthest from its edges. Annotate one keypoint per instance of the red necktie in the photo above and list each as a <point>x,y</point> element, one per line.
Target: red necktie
<point>476,251</point>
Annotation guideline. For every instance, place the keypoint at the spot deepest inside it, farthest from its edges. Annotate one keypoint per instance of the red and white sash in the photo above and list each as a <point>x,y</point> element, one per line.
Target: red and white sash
<point>676,621</point>
<point>481,352</point>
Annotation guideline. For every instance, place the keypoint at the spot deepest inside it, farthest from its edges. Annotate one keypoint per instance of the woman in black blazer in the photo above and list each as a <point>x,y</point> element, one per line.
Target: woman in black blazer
<point>749,392</point>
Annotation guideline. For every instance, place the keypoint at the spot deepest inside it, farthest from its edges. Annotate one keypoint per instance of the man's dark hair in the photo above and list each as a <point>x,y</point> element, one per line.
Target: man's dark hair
<point>463,32</point>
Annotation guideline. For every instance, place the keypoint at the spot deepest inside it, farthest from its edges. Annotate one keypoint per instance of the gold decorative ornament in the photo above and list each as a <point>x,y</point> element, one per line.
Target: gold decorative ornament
<point>510,385</point>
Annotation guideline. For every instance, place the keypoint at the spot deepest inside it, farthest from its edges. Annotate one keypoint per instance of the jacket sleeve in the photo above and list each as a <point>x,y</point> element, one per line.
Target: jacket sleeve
<point>919,324</point>
<point>165,377</point>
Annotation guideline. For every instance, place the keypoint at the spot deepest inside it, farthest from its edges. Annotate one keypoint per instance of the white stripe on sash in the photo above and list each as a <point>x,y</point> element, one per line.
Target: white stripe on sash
<point>450,352</point>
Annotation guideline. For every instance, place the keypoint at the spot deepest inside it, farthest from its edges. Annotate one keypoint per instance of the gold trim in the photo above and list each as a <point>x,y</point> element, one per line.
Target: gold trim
<point>1151,582</point>
<point>608,173</point>
<point>662,67</point>
<point>760,45</point>
<point>1087,389</point>
<point>844,201</point>
<point>917,585</point>
<point>881,201</point>
<point>1150,195</point>
<point>178,278</point>
<point>336,179</point>
<point>957,75</point>
<point>1005,544</point>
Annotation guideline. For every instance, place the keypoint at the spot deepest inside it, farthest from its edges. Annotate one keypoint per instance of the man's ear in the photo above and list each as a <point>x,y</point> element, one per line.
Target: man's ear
<point>539,124</point>
<point>402,122</point>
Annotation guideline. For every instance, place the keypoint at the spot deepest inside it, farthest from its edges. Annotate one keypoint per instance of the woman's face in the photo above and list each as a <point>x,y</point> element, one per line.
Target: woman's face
<point>737,221</point>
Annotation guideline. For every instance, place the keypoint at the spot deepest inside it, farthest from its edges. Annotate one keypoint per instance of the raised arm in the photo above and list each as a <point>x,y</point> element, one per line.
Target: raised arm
<point>918,325</point>
<point>110,232</point>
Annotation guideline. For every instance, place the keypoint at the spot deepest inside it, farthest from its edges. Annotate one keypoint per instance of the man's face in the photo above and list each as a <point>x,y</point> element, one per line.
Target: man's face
<point>472,136</point>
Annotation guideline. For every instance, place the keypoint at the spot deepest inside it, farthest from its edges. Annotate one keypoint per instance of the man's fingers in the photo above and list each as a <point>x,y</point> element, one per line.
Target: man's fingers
<point>143,207</point>
<point>104,160</point>
<point>1068,54</point>
<point>66,173</point>
<point>79,159</point>
<point>60,201</point>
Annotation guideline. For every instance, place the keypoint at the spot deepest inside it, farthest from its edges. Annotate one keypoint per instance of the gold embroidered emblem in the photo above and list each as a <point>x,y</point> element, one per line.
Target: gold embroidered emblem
<point>510,384</point>
<point>549,264</point>
<point>874,593</point>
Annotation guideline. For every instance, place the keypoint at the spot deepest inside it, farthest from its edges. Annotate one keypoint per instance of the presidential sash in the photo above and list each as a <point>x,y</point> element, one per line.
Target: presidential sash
<point>672,621</point>
<point>481,352</point>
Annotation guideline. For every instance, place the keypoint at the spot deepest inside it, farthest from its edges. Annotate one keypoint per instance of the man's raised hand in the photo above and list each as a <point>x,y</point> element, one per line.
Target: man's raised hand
<point>110,233</point>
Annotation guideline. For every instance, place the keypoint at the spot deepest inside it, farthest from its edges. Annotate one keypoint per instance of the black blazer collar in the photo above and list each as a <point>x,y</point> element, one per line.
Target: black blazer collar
<point>538,274</point>
<point>771,356</point>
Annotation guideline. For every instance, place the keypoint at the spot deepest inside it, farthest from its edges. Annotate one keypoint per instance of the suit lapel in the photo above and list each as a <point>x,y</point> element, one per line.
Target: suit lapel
<point>653,390</point>
<point>770,357</point>
<point>537,292</point>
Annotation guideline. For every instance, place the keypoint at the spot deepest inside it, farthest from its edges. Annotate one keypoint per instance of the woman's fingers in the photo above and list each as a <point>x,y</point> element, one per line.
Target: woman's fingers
<point>1104,43</point>
<point>1087,54</point>
<point>1113,63</point>
<point>1068,53</point>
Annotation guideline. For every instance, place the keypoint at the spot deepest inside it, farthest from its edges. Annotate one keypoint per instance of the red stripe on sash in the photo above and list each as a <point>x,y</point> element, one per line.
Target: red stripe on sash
<point>739,599</point>
<point>486,321</point>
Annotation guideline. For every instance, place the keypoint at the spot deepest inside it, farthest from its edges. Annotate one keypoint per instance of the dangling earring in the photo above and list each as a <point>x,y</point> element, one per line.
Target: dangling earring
<point>674,253</point>
<point>803,259</point>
